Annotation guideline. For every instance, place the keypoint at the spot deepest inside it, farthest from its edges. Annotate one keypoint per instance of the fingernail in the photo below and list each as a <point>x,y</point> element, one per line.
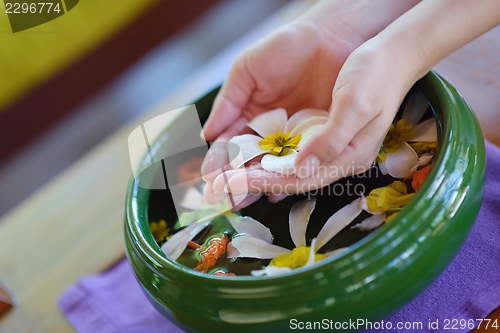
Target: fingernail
<point>275,198</point>
<point>202,135</point>
<point>239,182</point>
<point>211,197</point>
<point>219,184</point>
<point>307,167</point>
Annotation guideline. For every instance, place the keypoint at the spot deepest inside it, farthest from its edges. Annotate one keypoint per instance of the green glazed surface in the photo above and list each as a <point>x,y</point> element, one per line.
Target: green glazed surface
<point>371,280</point>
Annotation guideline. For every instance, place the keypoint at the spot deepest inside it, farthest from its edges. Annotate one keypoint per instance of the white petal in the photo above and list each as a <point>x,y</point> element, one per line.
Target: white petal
<point>174,247</point>
<point>248,226</point>
<point>298,220</point>
<point>243,148</point>
<point>270,122</point>
<point>203,214</point>
<point>231,251</point>
<point>415,108</point>
<point>371,222</point>
<point>193,199</point>
<point>284,164</point>
<point>312,254</point>
<point>307,124</point>
<point>271,270</point>
<point>337,222</point>
<point>400,164</point>
<point>300,116</point>
<point>363,204</point>
<point>251,247</point>
<point>422,161</point>
<point>383,168</point>
<point>425,131</point>
<point>307,135</point>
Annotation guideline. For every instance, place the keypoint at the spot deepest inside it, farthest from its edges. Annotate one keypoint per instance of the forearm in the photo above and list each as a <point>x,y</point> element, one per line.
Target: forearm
<point>358,19</point>
<point>432,30</point>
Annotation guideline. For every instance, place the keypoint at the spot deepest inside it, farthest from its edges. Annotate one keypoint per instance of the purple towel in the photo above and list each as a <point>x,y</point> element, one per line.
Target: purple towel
<point>469,289</point>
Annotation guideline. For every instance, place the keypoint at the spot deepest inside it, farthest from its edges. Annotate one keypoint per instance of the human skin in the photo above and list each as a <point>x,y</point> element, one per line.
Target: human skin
<point>356,59</point>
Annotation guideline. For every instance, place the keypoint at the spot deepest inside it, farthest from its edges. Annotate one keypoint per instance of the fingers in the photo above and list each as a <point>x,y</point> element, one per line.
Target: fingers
<point>356,158</point>
<point>231,100</point>
<point>347,117</point>
<point>243,181</point>
<point>243,201</point>
<point>217,159</point>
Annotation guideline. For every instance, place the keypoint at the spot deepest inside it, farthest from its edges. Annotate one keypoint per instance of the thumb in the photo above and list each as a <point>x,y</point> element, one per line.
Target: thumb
<point>231,100</point>
<point>333,139</point>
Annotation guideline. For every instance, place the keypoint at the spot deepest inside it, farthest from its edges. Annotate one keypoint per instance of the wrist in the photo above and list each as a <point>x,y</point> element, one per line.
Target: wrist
<point>401,58</point>
<point>355,21</point>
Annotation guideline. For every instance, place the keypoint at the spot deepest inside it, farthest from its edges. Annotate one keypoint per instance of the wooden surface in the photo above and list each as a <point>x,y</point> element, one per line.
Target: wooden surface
<point>73,225</point>
<point>46,104</point>
<point>475,71</point>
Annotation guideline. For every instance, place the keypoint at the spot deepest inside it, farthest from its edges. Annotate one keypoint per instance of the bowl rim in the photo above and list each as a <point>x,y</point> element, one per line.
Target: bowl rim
<point>439,92</point>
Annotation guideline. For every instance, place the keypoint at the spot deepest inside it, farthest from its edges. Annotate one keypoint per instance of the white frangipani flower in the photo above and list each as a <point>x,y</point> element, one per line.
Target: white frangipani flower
<point>279,139</point>
<point>255,240</point>
<point>396,156</point>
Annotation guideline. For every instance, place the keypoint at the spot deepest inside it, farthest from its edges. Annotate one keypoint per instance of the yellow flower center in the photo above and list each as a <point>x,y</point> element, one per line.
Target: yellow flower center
<point>278,142</point>
<point>295,259</point>
<point>397,134</point>
<point>389,198</point>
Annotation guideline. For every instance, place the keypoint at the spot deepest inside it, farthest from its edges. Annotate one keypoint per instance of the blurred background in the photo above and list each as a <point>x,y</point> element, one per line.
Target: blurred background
<point>67,84</point>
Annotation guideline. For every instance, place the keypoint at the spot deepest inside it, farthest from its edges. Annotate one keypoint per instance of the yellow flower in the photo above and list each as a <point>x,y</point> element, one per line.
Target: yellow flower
<point>159,230</point>
<point>384,203</point>
<point>255,239</point>
<point>395,137</point>
<point>397,156</point>
<point>295,259</point>
<point>278,142</point>
<point>388,199</point>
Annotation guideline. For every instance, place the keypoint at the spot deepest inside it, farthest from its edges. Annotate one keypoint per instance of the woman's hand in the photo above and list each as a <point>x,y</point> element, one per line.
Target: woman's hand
<point>296,67</point>
<point>367,94</point>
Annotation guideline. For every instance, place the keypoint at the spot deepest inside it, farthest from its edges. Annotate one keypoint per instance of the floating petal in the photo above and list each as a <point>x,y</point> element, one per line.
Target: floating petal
<point>298,220</point>
<point>386,199</point>
<point>400,164</point>
<point>231,251</point>
<point>251,227</point>
<point>251,247</point>
<point>425,131</point>
<point>337,222</point>
<point>174,247</point>
<point>422,161</point>
<point>372,222</point>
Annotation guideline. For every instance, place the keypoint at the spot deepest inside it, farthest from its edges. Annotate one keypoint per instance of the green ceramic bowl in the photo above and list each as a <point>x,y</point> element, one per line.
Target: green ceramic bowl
<point>371,280</point>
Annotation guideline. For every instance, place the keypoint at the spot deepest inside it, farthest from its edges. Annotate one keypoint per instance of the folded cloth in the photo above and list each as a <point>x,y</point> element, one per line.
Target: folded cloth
<point>469,289</point>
